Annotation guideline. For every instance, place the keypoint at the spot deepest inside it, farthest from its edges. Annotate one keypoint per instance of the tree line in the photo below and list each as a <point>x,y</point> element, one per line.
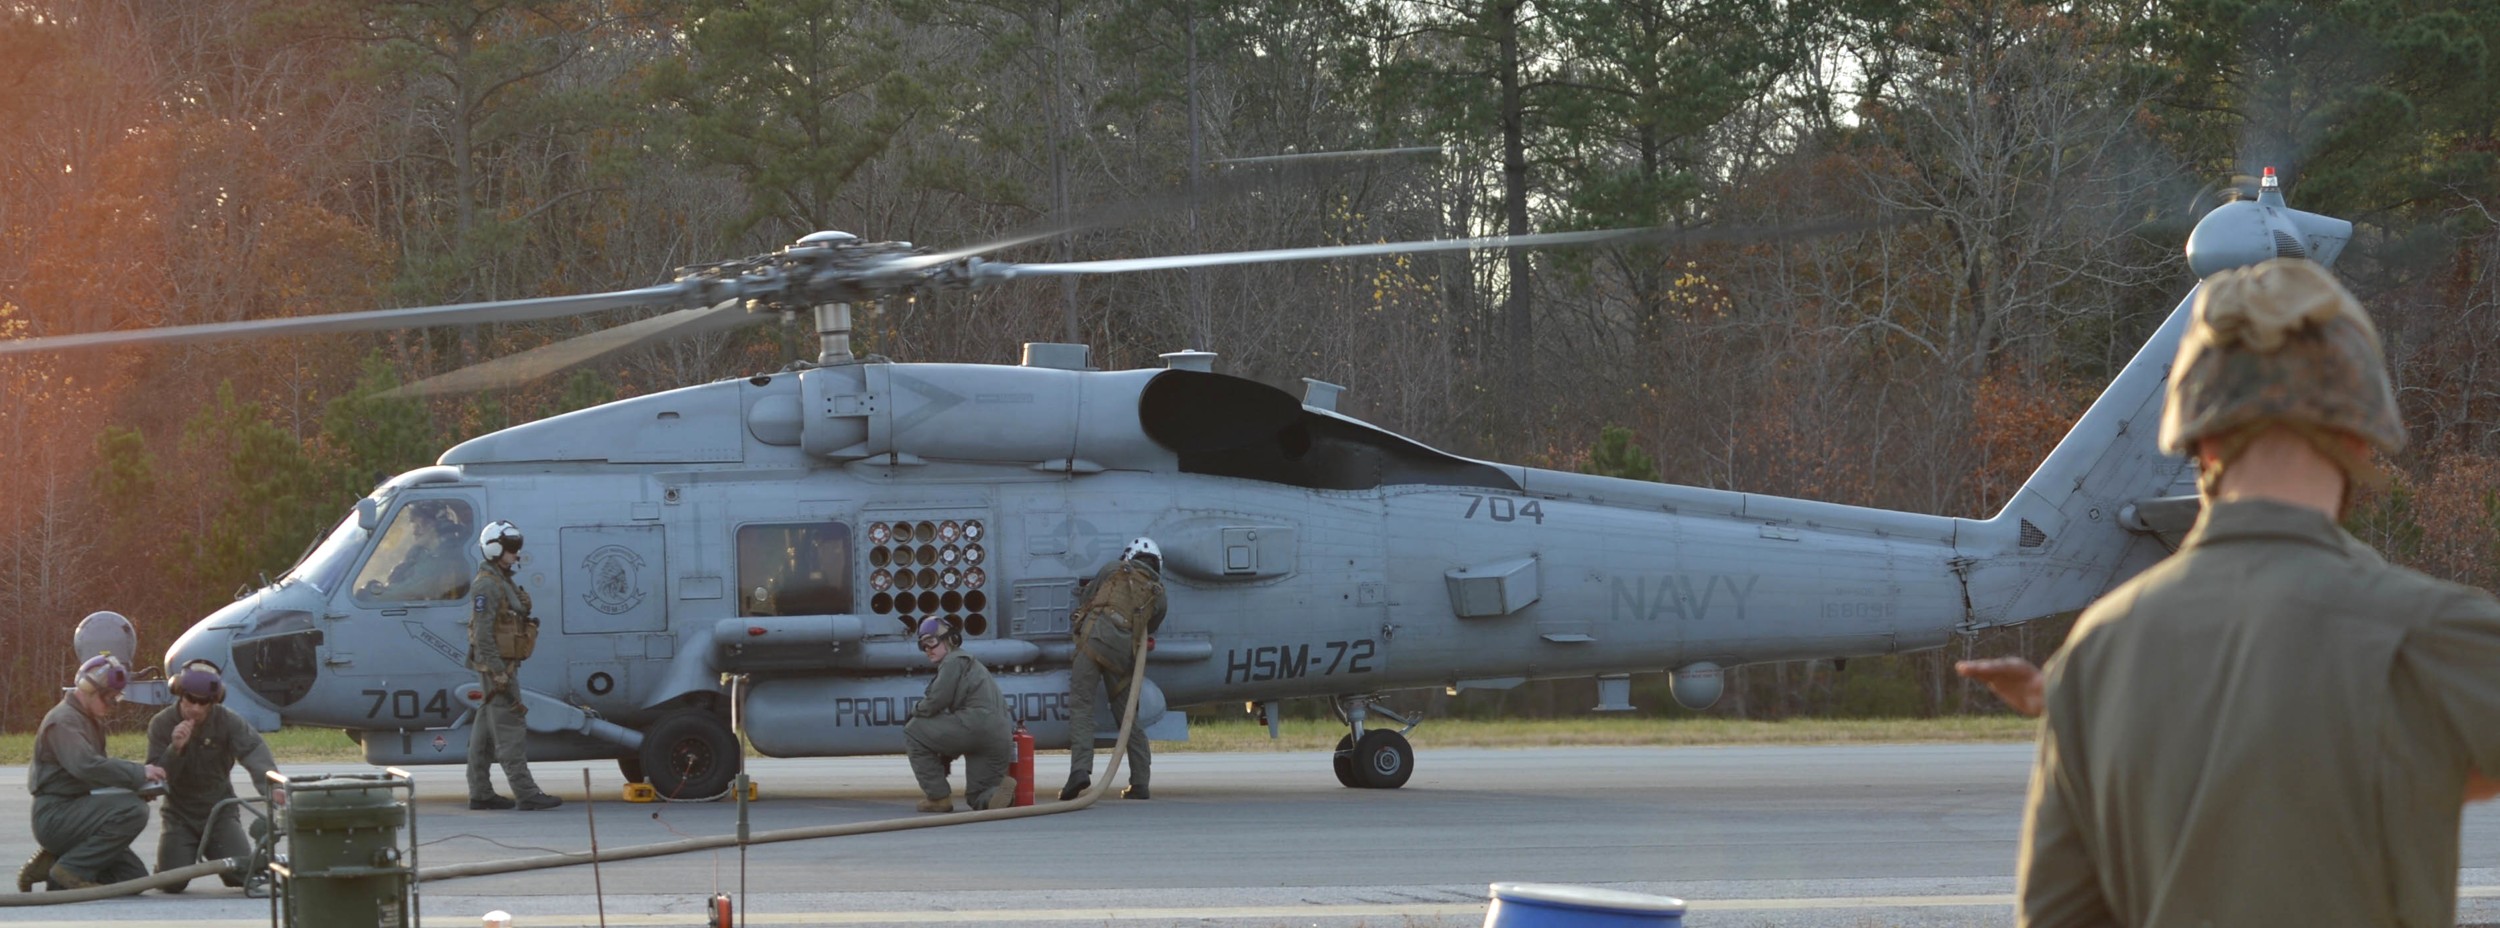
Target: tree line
<point>1935,229</point>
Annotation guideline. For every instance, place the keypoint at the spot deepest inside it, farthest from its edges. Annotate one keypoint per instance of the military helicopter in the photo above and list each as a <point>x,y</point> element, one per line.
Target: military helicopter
<point>751,554</point>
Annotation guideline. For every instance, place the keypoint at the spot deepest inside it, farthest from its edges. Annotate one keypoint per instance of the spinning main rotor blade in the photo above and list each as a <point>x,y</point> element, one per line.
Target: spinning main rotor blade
<point>1307,165</point>
<point>1651,236</point>
<point>530,310</point>
<point>517,369</point>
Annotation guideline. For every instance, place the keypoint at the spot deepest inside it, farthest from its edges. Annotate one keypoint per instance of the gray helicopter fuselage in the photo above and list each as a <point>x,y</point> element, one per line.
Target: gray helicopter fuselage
<point>793,529</point>
<point>757,552</point>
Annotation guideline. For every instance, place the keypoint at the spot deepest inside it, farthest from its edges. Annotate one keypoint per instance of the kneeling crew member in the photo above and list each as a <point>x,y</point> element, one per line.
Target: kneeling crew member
<point>1125,595</point>
<point>501,635</point>
<point>961,715</point>
<point>85,835</point>
<point>197,741</point>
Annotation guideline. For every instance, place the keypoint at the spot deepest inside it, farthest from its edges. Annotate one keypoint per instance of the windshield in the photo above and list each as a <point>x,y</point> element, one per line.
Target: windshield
<point>328,562</point>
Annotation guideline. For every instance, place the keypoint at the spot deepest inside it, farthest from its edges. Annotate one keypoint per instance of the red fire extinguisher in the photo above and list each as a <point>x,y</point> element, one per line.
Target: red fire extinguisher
<point>1023,767</point>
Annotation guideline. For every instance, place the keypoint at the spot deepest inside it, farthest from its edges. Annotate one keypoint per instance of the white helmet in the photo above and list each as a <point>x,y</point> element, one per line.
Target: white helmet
<point>1143,545</point>
<point>499,538</point>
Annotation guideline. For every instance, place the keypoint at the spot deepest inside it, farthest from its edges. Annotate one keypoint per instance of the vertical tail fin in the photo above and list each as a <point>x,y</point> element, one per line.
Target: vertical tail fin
<point>2079,525</point>
<point>2060,542</point>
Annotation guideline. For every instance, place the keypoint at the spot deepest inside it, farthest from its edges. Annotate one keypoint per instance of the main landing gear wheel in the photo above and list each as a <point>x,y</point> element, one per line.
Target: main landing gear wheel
<point>1373,758</point>
<point>690,754</point>
<point>1382,760</point>
<point>631,767</point>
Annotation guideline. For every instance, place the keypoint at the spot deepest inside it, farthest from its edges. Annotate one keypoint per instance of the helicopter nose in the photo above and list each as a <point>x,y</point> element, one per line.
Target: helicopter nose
<point>201,642</point>
<point>213,640</point>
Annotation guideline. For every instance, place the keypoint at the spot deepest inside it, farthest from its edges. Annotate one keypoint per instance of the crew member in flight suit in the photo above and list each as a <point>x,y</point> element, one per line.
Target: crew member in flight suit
<point>197,740</point>
<point>84,835</point>
<point>961,715</point>
<point>1125,594</point>
<point>501,635</point>
<point>2273,726</point>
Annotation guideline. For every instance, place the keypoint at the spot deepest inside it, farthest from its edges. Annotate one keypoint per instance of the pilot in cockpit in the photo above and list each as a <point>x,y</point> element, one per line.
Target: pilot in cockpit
<point>433,564</point>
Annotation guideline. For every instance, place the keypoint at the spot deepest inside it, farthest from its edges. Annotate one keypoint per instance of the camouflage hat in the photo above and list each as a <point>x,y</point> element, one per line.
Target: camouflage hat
<point>2279,341</point>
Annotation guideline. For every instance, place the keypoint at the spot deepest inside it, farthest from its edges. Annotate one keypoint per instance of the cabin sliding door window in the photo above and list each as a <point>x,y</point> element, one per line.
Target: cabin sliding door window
<point>794,569</point>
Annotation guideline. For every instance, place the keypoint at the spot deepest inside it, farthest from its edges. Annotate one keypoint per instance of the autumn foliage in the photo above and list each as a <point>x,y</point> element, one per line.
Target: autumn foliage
<point>1929,233</point>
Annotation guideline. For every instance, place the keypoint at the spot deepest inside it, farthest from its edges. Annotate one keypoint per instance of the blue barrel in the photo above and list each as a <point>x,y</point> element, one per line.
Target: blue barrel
<point>1550,905</point>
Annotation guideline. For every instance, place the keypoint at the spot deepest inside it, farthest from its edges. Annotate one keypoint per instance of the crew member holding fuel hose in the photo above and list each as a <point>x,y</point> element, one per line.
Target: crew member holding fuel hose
<point>198,741</point>
<point>961,715</point>
<point>1126,593</point>
<point>88,807</point>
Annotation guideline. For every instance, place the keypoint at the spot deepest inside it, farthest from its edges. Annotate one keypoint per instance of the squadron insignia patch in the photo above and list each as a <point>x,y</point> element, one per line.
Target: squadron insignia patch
<point>478,604</point>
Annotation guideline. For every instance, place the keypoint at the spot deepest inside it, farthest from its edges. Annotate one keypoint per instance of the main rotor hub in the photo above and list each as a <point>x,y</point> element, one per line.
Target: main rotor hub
<point>822,268</point>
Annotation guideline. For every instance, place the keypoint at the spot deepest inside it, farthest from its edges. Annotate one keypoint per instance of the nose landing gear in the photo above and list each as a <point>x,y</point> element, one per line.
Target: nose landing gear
<point>1375,758</point>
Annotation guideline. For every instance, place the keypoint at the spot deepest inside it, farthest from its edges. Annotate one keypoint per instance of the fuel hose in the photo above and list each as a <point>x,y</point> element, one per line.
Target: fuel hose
<point>174,877</point>
<point>1111,773</point>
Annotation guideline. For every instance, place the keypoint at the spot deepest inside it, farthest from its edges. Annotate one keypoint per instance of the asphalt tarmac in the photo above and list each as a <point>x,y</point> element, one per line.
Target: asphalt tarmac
<point>1875,835</point>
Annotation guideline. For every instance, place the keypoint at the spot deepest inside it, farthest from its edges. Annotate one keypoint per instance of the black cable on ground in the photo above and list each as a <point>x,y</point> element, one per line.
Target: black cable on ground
<point>1111,772</point>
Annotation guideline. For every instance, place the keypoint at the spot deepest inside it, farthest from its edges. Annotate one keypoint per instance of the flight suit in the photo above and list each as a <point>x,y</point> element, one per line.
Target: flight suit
<point>2272,727</point>
<point>1121,595</point>
<point>961,715</point>
<point>198,776</point>
<point>428,574</point>
<point>499,735</point>
<point>89,832</point>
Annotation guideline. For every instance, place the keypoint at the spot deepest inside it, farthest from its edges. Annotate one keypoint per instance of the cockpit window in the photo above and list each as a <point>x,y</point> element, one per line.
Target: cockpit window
<point>427,554</point>
<point>328,561</point>
<point>800,569</point>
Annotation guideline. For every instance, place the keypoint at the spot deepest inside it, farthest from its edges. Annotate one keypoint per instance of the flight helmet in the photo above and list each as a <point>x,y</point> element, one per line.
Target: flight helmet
<point>499,538</point>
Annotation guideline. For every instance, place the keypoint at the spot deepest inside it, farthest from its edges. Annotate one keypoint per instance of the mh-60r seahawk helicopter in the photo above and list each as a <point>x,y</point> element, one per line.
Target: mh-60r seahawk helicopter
<point>769,542</point>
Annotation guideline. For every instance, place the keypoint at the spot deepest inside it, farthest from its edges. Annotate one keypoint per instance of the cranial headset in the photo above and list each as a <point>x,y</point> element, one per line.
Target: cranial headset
<point>104,675</point>
<point>199,681</point>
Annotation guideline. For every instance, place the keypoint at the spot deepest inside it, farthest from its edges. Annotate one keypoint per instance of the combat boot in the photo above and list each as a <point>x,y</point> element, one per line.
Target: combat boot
<point>1003,796</point>
<point>1135,791</point>
<point>1076,787</point>
<point>62,878</point>
<point>539,802</point>
<point>937,805</point>
<point>491,802</point>
<point>35,870</point>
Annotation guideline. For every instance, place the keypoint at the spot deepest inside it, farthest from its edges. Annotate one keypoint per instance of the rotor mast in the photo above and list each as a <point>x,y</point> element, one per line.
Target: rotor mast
<point>833,319</point>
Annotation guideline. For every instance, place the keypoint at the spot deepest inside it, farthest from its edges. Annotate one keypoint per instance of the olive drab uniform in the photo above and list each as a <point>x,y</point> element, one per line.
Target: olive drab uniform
<point>2272,727</point>
<point>501,635</point>
<point>1122,595</point>
<point>199,775</point>
<point>90,832</point>
<point>961,715</point>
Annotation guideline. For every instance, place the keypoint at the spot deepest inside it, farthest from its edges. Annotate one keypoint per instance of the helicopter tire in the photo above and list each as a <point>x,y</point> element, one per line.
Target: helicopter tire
<point>631,767</point>
<point>1383,759</point>
<point>1343,762</point>
<point>690,754</point>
